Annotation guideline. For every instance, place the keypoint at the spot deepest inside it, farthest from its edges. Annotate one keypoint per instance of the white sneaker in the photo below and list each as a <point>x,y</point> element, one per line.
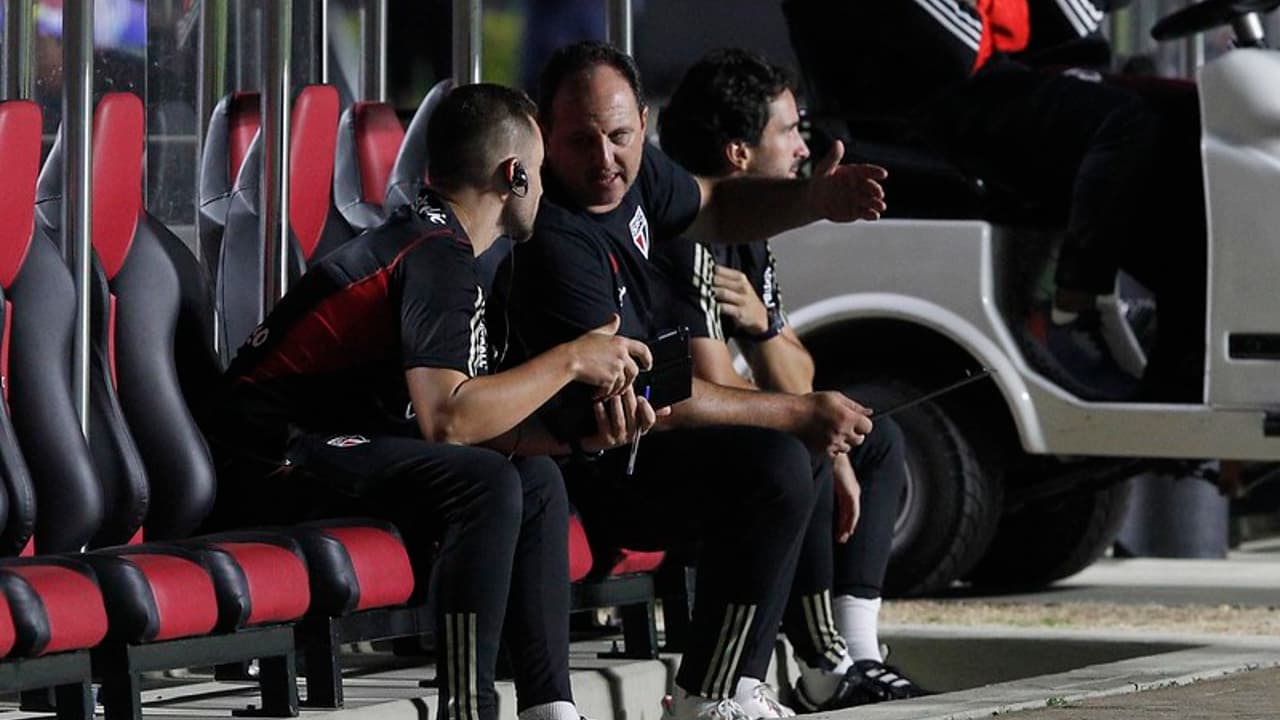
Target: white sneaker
<point>687,706</point>
<point>760,701</point>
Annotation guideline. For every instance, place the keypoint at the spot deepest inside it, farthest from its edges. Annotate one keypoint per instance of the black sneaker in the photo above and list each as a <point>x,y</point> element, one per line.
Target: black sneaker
<point>867,682</point>
<point>1077,356</point>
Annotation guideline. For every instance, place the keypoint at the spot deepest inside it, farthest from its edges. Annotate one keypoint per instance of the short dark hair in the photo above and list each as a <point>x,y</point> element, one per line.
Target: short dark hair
<point>471,128</point>
<point>573,59</point>
<point>723,98</point>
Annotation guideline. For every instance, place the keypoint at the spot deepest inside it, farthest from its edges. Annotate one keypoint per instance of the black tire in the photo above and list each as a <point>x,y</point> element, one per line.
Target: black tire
<point>1051,539</point>
<point>950,507</point>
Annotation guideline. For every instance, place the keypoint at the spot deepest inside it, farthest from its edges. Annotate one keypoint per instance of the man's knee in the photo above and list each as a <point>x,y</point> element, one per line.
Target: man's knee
<point>543,485</point>
<point>774,471</point>
<point>884,448</point>
<point>489,488</point>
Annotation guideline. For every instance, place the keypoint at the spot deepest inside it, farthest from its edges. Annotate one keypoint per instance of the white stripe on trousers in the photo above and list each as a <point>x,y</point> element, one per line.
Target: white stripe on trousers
<point>723,667</point>
<point>460,654</point>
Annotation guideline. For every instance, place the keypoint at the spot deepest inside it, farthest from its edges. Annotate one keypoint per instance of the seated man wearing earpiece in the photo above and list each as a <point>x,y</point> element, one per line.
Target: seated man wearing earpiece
<point>369,390</point>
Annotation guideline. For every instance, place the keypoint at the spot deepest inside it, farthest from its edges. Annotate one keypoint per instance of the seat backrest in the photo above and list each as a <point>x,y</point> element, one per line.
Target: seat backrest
<point>369,138</point>
<point>117,201</point>
<point>232,127</point>
<point>70,500</point>
<point>315,225</point>
<point>409,173</point>
<point>20,146</point>
<point>158,300</point>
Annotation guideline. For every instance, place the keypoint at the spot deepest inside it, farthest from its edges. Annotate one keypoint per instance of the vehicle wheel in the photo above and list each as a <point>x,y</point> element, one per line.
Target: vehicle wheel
<point>950,507</point>
<point>1052,539</point>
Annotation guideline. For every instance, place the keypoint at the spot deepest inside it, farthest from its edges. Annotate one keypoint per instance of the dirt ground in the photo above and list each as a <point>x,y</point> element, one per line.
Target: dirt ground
<point>1212,619</point>
<point>1243,696</point>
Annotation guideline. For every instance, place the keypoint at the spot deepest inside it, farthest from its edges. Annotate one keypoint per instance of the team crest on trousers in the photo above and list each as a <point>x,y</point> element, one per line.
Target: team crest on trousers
<point>640,231</point>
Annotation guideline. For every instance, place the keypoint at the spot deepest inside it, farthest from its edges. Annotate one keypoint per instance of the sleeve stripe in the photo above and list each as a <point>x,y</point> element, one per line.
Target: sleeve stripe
<point>1082,15</point>
<point>966,28</point>
<point>704,274</point>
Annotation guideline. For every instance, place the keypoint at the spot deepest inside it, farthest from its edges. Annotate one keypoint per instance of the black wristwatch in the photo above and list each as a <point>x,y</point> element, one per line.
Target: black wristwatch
<point>776,322</point>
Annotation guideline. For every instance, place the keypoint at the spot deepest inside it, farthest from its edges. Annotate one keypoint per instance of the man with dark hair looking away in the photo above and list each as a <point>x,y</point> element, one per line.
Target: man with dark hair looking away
<point>744,493</point>
<point>370,382</point>
<point>735,114</point>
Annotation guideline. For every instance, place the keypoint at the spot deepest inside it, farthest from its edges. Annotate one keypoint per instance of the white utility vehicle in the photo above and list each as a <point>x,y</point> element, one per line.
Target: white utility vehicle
<point>1014,480</point>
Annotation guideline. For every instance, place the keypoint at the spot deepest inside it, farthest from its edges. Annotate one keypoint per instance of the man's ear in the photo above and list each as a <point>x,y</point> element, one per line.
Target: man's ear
<point>737,155</point>
<point>644,120</point>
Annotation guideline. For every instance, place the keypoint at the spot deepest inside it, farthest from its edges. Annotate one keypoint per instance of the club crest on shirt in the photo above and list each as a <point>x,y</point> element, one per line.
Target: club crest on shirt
<point>640,231</point>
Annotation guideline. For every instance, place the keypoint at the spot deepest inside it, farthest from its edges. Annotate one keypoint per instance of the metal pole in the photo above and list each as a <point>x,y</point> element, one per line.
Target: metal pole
<point>323,16</point>
<point>466,41</point>
<point>18,28</point>
<point>77,181</point>
<point>618,29</point>
<point>277,31</point>
<point>374,84</point>
<point>211,84</point>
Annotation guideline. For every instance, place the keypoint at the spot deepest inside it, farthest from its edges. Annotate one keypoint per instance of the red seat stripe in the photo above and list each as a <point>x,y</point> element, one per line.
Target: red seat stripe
<point>580,559</point>
<point>379,136</point>
<point>311,157</point>
<point>72,602</point>
<point>117,177</point>
<point>278,587</point>
<point>20,148</point>
<point>7,634</point>
<point>381,565</point>
<point>183,593</point>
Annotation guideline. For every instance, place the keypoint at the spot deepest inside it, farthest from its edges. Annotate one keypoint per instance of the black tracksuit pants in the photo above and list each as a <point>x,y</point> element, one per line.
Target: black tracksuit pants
<point>856,567</point>
<point>493,536</point>
<point>742,496</point>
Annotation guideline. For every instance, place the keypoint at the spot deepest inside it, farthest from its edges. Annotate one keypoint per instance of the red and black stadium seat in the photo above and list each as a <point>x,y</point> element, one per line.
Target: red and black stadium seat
<point>409,173</point>
<point>51,611</point>
<point>232,127</point>
<point>354,570</point>
<point>315,226</point>
<point>369,137</point>
<point>167,606</point>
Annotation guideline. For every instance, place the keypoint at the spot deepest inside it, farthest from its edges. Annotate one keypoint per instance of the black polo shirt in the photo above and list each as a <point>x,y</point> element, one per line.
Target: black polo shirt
<point>331,356</point>
<point>581,267</point>
<point>690,268</point>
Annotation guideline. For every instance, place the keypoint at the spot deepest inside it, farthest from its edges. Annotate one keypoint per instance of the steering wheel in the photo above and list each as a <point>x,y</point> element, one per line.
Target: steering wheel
<point>1207,15</point>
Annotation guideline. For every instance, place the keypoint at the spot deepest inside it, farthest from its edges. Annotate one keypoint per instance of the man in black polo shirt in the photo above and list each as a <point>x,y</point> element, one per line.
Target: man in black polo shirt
<point>734,113</point>
<point>744,494</point>
<point>370,381</point>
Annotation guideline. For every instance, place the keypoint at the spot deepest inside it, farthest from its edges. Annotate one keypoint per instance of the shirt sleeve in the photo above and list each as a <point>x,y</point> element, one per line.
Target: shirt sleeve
<point>671,195</point>
<point>442,309</point>
<point>688,270</point>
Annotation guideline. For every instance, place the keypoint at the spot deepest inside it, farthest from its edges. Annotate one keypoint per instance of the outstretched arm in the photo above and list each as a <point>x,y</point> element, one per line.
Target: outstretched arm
<point>747,208</point>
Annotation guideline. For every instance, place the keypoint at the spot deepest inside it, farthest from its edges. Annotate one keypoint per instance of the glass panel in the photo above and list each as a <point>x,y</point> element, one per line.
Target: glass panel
<point>173,61</point>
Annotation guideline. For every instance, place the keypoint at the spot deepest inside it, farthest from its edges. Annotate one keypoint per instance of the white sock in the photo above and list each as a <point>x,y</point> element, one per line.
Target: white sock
<point>858,620</point>
<point>744,687</point>
<point>820,683</point>
<point>558,710</point>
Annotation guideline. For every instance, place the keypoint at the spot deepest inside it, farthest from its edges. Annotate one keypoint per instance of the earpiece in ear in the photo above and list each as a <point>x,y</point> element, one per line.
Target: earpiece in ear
<point>519,180</point>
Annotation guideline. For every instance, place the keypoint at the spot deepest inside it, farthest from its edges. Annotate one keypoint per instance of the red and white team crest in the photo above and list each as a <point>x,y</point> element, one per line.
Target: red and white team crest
<point>347,441</point>
<point>640,231</point>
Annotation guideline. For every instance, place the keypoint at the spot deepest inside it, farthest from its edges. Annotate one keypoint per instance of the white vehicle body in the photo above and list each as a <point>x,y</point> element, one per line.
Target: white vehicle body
<point>946,277</point>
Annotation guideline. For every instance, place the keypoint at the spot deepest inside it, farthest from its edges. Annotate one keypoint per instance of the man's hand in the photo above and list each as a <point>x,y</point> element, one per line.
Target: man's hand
<point>844,193</point>
<point>738,300</point>
<point>620,419</point>
<point>607,361</point>
<point>848,498</point>
<point>834,424</point>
